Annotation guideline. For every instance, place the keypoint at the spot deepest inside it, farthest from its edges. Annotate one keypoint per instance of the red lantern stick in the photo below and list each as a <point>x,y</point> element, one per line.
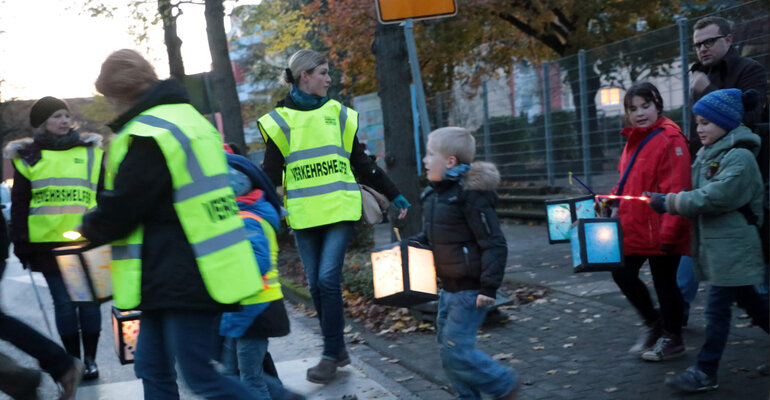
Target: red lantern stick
<point>615,197</point>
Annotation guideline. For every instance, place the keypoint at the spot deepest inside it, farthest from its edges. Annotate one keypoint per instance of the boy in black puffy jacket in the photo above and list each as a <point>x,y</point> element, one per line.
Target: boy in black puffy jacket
<point>469,251</point>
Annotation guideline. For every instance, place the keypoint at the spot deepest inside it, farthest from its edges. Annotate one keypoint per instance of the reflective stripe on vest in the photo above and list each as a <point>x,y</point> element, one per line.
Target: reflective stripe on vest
<point>203,201</point>
<point>320,188</point>
<point>271,286</point>
<point>63,188</point>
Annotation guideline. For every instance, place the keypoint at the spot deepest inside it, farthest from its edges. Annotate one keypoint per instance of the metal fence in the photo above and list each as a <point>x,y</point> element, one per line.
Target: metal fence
<point>543,121</point>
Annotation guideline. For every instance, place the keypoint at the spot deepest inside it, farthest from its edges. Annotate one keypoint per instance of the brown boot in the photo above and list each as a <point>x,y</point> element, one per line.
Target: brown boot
<point>324,372</point>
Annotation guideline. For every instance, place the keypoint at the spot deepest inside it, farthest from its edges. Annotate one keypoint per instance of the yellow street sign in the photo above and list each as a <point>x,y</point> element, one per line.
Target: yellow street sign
<point>392,11</point>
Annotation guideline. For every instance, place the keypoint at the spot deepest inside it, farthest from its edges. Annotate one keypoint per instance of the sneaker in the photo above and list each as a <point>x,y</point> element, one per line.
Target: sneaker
<point>324,372</point>
<point>512,394</point>
<point>70,381</point>
<point>692,380</point>
<point>764,369</point>
<point>648,336</point>
<point>665,348</point>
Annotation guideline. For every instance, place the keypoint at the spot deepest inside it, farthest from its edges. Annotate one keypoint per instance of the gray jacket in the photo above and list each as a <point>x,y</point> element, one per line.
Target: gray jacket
<point>725,177</point>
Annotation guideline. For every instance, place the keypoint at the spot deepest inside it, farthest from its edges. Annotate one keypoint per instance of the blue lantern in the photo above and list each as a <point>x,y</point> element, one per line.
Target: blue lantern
<point>597,245</point>
<point>563,212</point>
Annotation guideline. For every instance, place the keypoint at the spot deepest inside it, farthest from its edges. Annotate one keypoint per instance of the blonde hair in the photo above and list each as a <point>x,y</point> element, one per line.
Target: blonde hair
<point>454,141</point>
<point>125,75</point>
<point>301,61</point>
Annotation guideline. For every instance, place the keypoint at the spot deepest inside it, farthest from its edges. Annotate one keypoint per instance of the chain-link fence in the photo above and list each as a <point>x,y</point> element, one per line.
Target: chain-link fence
<point>542,122</point>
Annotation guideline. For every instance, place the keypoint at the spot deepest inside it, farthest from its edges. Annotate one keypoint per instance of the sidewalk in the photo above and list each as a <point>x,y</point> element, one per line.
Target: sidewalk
<point>573,343</point>
<point>293,354</point>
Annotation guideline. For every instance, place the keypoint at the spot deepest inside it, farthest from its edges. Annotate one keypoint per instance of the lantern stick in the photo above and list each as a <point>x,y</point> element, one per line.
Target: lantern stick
<point>615,197</point>
<point>398,235</point>
<point>571,175</point>
<point>40,302</point>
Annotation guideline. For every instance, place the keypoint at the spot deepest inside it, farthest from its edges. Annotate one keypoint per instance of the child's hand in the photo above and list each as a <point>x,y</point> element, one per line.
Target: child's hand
<point>657,201</point>
<point>482,301</point>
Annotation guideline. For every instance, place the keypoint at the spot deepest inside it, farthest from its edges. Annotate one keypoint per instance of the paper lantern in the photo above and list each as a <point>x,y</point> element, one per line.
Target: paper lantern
<point>562,213</point>
<point>86,272</point>
<point>403,274</point>
<point>125,330</point>
<point>597,245</point>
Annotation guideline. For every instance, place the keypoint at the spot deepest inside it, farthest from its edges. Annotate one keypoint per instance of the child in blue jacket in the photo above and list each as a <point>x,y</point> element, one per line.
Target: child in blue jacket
<point>246,332</point>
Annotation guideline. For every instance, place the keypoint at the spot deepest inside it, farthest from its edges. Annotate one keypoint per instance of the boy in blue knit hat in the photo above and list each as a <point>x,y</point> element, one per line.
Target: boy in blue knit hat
<point>726,207</point>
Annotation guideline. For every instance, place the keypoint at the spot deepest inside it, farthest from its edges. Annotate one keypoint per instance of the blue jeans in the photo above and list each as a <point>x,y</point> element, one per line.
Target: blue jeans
<point>470,370</point>
<point>718,310</point>
<point>71,317</point>
<point>687,283</point>
<point>245,357</point>
<point>322,250</point>
<point>189,339</point>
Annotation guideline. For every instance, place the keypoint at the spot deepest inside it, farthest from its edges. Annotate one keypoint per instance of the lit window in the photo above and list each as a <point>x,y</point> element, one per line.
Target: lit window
<point>610,96</point>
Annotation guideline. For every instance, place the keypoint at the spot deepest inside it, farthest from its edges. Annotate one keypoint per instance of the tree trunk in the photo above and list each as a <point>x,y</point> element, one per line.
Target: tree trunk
<point>393,75</point>
<point>224,79</point>
<point>173,42</point>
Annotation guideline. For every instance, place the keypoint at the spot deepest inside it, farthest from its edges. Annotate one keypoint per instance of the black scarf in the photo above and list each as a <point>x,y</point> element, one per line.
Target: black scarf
<point>46,141</point>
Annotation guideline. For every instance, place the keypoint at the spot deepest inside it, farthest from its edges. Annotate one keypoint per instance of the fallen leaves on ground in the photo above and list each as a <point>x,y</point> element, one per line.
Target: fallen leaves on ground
<point>382,319</point>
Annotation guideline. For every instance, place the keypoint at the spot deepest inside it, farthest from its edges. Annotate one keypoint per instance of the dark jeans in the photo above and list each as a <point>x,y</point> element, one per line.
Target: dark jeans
<point>247,357</point>
<point>322,250</point>
<point>718,314</point>
<point>470,370</point>
<point>52,358</point>
<point>663,270</point>
<point>189,339</point>
<point>71,317</point>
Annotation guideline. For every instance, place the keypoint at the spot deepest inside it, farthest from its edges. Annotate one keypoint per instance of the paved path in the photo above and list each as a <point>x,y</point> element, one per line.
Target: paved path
<point>572,344</point>
<point>293,354</point>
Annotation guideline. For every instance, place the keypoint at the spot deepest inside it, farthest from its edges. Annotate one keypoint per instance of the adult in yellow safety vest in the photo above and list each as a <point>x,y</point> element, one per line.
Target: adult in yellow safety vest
<point>312,152</point>
<point>179,248</point>
<point>57,173</point>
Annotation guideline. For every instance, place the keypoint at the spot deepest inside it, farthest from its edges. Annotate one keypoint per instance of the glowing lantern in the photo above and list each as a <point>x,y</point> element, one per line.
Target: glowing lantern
<point>403,274</point>
<point>86,272</point>
<point>597,245</point>
<point>125,330</point>
<point>562,213</point>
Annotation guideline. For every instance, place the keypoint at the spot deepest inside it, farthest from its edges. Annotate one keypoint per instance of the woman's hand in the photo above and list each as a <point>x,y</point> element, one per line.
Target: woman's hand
<point>402,204</point>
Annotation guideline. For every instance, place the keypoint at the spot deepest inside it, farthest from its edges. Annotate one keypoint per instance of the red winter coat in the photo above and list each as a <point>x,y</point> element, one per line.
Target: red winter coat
<point>662,166</point>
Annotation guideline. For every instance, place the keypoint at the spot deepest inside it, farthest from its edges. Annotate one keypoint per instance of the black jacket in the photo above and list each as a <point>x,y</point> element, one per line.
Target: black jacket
<point>38,256</point>
<point>732,72</point>
<point>143,195</point>
<point>461,225</point>
<point>365,169</point>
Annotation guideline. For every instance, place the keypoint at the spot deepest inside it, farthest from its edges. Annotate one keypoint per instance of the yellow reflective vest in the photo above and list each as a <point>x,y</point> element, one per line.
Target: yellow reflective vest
<point>203,201</point>
<point>64,186</point>
<point>271,287</point>
<point>319,186</point>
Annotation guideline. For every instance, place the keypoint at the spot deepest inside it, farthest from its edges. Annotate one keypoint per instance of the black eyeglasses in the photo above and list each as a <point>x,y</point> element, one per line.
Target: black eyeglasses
<point>707,43</point>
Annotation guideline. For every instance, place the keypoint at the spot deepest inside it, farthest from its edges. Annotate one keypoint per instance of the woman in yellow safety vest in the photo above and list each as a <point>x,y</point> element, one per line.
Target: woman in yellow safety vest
<point>56,176</point>
<point>312,152</point>
<point>179,248</point>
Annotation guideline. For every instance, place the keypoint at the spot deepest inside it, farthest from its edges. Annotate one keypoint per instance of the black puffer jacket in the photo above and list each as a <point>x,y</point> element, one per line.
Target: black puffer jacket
<point>460,223</point>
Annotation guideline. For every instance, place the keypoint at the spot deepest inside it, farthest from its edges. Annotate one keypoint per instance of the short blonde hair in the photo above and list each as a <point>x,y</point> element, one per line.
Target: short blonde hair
<point>125,75</point>
<point>302,61</point>
<point>454,141</point>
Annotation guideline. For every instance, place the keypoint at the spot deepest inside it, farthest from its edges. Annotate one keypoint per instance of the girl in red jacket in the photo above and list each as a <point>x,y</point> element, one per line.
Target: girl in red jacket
<point>663,163</point>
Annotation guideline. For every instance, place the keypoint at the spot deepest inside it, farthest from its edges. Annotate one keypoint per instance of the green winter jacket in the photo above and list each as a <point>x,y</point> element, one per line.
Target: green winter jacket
<point>726,248</point>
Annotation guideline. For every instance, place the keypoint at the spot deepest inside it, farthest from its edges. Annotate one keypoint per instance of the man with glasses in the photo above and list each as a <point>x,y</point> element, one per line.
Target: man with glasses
<point>721,67</point>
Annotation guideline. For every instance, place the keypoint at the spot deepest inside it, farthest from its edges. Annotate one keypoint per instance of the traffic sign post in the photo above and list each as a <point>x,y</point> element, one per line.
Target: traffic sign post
<point>394,11</point>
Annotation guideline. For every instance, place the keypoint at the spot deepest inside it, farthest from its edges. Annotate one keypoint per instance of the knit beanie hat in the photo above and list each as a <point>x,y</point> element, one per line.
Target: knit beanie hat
<point>240,183</point>
<point>722,107</point>
<point>44,108</point>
